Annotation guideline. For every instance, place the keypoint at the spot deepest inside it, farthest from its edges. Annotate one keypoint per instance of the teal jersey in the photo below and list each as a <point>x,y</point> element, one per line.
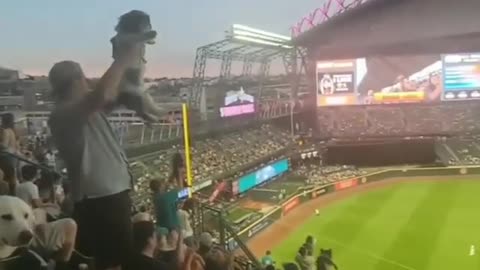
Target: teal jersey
<point>267,260</point>
<point>165,205</point>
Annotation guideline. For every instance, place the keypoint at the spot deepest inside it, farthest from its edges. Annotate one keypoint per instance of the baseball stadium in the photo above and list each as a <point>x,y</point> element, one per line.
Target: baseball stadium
<point>372,160</point>
<point>363,154</point>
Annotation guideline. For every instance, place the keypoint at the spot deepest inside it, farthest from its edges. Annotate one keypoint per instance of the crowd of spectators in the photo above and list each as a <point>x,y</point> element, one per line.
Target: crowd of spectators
<point>40,189</point>
<point>212,158</point>
<point>400,121</point>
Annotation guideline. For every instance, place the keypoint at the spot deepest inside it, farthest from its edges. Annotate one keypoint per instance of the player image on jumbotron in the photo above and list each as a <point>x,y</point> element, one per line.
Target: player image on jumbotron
<point>326,85</point>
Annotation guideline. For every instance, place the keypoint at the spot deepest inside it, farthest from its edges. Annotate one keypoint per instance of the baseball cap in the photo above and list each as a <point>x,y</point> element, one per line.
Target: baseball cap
<point>62,74</point>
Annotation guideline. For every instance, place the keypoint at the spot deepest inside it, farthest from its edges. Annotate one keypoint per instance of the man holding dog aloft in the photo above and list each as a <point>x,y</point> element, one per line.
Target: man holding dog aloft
<point>96,164</point>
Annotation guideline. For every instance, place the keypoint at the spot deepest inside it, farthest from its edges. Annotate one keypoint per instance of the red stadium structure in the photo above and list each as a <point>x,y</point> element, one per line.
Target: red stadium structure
<point>330,8</point>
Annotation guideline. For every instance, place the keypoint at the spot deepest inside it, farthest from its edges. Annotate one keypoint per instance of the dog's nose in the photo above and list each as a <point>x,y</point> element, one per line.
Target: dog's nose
<point>25,237</point>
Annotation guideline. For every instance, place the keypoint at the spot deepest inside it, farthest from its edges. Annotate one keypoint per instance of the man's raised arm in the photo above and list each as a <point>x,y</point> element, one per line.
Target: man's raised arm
<point>107,89</point>
<point>71,89</point>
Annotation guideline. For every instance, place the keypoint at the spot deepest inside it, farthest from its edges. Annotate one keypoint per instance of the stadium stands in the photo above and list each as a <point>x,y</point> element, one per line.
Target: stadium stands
<point>394,120</point>
<point>214,158</point>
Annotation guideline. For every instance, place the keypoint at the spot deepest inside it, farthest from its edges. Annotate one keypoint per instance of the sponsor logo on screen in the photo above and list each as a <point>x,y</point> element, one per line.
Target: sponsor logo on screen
<point>346,184</point>
<point>290,205</point>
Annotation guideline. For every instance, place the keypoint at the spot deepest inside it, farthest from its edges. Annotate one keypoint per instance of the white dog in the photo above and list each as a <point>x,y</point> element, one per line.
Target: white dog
<point>16,225</point>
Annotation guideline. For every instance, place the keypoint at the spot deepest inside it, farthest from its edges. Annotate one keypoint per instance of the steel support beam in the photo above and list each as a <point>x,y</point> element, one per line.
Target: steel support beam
<point>198,77</point>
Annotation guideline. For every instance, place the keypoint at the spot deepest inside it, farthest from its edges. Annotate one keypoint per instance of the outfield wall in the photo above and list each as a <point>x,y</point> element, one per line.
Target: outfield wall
<point>313,192</point>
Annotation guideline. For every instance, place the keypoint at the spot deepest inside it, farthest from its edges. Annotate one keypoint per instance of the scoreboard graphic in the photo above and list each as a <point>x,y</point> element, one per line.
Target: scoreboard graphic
<point>461,76</point>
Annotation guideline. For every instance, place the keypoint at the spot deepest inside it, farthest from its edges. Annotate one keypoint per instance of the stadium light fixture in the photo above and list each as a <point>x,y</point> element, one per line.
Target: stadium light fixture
<point>246,33</point>
<point>261,32</point>
<point>264,42</point>
<point>255,35</point>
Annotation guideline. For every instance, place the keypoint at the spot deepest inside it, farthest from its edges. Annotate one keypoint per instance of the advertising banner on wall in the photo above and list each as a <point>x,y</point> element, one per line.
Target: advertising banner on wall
<point>318,192</point>
<point>290,205</point>
<point>346,184</point>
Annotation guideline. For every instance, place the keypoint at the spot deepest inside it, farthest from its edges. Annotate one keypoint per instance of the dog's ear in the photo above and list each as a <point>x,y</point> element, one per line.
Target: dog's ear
<point>133,22</point>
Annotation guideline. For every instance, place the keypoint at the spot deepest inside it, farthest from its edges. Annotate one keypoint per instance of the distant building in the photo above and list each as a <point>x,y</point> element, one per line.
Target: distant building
<point>36,94</point>
<point>20,92</point>
<point>10,97</point>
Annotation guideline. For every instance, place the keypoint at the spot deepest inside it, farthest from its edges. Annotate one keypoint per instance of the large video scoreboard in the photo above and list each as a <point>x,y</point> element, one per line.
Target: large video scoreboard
<point>336,83</point>
<point>452,77</point>
<point>461,76</point>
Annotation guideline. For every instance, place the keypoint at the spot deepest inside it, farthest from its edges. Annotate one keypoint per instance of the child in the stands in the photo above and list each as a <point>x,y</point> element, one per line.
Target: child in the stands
<point>165,196</point>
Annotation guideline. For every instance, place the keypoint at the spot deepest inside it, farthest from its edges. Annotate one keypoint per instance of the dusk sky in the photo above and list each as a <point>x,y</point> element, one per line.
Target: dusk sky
<point>35,34</point>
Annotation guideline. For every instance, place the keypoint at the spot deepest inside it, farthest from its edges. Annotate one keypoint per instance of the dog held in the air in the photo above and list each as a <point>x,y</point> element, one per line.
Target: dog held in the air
<point>134,28</point>
<point>17,223</point>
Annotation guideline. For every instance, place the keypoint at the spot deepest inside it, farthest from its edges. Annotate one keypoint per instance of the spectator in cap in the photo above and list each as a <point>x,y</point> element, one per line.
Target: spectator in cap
<point>96,164</point>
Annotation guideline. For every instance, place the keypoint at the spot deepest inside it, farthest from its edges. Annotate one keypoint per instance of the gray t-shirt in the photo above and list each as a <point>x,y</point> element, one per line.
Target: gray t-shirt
<point>95,161</point>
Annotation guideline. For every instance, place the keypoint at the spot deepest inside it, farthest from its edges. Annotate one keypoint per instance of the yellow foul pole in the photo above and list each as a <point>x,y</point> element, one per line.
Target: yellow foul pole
<point>186,139</point>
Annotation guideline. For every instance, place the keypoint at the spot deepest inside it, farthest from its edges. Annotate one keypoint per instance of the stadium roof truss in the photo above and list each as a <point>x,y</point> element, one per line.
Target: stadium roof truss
<point>329,9</point>
<point>247,45</point>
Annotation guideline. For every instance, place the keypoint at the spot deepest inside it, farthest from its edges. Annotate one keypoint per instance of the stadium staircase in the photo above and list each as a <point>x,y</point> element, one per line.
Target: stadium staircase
<point>445,153</point>
<point>212,219</point>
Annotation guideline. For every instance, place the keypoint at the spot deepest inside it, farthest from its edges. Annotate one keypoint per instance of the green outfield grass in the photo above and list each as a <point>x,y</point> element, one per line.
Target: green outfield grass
<point>408,226</point>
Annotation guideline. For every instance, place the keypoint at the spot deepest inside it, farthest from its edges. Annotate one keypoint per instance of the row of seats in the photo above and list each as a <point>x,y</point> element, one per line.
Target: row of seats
<point>313,173</point>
